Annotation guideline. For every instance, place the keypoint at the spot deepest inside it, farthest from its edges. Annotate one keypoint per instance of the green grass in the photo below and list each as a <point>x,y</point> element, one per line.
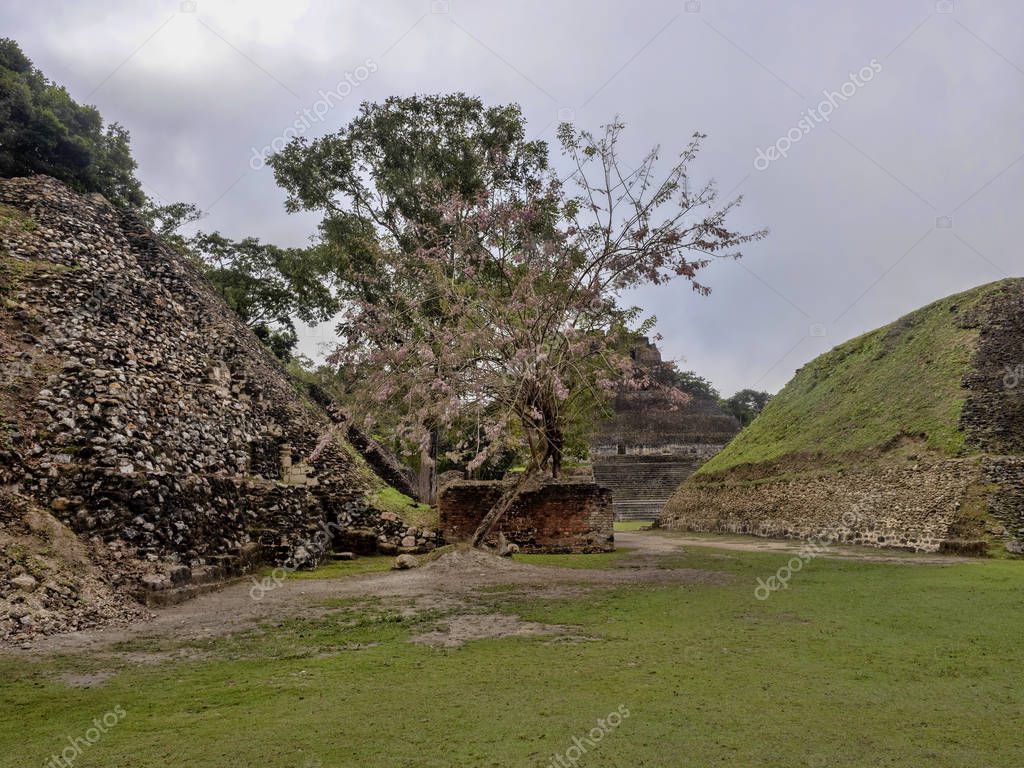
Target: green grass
<point>900,380</point>
<point>409,510</point>
<point>12,218</point>
<point>856,664</point>
<point>631,525</point>
<point>15,271</point>
<point>337,569</point>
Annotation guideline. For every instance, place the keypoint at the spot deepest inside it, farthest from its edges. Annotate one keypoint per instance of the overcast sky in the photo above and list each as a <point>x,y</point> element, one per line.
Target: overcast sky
<point>907,192</point>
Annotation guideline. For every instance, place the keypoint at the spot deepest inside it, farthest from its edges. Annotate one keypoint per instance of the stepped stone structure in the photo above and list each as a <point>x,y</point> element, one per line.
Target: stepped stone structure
<point>906,492</point>
<point>651,444</point>
<point>142,416</point>
<point>558,517</point>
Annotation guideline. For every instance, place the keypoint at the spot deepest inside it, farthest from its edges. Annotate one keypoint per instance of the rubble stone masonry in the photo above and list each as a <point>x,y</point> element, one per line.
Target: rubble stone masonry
<point>138,408</point>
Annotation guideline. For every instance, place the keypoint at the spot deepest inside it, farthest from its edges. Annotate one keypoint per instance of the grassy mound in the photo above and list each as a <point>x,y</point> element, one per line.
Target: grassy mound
<point>903,380</point>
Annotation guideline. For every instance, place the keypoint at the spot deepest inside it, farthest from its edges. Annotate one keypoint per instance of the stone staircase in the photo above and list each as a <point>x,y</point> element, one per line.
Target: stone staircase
<point>183,583</point>
<point>640,484</point>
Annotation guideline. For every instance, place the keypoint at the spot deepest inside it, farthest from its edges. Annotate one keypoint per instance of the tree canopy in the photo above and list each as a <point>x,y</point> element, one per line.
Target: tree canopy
<point>688,381</point>
<point>43,130</point>
<point>398,162</point>
<point>746,404</point>
<point>488,286</point>
<point>267,286</point>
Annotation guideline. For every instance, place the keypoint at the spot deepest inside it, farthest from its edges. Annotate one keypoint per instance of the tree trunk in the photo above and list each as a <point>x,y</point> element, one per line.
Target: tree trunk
<point>526,481</point>
<point>557,444</point>
<point>428,471</point>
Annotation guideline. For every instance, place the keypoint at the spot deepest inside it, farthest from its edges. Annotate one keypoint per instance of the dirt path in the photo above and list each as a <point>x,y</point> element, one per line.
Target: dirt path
<point>456,584</point>
<point>666,542</point>
<point>451,583</point>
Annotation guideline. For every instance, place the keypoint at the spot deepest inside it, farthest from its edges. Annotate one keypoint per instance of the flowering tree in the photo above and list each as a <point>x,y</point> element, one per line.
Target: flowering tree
<point>382,183</point>
<point>510,308</point>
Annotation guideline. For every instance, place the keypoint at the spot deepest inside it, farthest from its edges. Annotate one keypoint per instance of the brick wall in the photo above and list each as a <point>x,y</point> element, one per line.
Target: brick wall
<point>558,517</point>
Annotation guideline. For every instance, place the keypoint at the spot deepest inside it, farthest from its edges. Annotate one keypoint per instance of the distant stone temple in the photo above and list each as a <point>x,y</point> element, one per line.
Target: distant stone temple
<point>651,444</point>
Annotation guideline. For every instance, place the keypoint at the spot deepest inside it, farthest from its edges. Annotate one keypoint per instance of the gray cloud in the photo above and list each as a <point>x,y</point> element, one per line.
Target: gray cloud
<point>853,207</point>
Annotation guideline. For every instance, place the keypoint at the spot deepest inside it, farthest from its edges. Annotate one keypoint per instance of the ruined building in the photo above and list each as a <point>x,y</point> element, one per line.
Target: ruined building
<point>651,443</point>
<point>146,427</point>
<point>558,517</point>
<point>909,436</point>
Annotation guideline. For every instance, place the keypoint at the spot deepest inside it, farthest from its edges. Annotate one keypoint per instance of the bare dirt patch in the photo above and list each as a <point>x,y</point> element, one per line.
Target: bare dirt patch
<point>459,583</point>
<point>479,626</point>
<point>85,679</point>
<point>664,542</point>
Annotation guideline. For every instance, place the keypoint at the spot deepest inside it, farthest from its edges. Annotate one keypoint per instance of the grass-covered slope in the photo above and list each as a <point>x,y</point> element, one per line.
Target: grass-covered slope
<point>905,379</point>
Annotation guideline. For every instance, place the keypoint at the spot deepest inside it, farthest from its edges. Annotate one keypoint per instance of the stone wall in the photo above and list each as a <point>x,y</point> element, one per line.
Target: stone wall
<point>993,413</point>
<point>904,498</point>
<point>138,409</point>
<point>910,507</point>
<point>651,443</point>
<point>382,460</point>
<point>1004,476</point>
<point>558,517</point>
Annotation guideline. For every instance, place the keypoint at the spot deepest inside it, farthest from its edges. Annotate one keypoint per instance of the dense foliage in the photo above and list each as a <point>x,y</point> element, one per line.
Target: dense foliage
<point>267,286</point>
<point>43,130</point>
<point>478,283</point>
<point>688,381</point>
<point>745,405</point>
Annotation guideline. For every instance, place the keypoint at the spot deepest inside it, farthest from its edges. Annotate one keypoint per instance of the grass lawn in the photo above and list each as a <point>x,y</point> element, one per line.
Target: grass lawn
<point>340,568</point>
<point>631,525</point>
<point>409,510</point>
<point>855,664</point>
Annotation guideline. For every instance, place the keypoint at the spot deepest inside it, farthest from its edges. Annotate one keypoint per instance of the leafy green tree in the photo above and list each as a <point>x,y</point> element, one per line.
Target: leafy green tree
<point>167,221</point>
<point>43,130</point>
<point>400,177</point>
<point>391,171</point>
<point>267,286</point>
<point>688,381</point>
<point>745,405</point>
<point>529,327</point>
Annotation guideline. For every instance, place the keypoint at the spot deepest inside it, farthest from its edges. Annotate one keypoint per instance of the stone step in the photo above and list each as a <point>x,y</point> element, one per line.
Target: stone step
<point>173,596</point>
<point>183,583</point>
<point>641,485</point>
